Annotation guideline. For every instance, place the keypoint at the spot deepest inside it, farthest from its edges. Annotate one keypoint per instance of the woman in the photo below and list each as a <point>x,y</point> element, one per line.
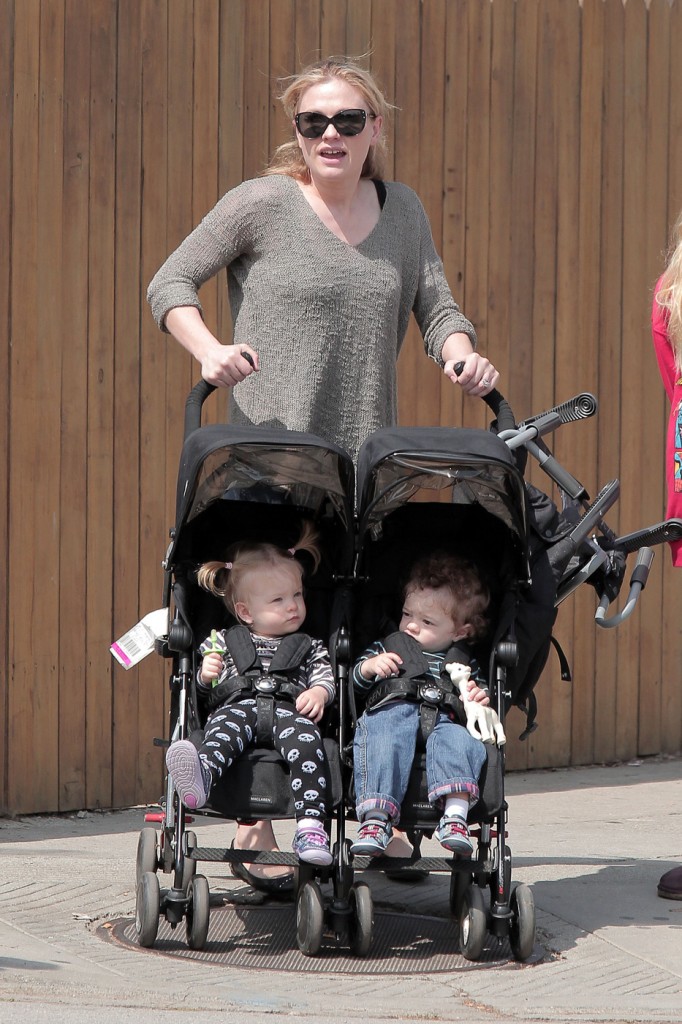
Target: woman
<point>666,326</point>
<point>325,262</point>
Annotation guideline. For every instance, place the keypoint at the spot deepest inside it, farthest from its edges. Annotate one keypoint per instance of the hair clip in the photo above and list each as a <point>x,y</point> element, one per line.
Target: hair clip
<point>292,551</point>
<point>228,565</point>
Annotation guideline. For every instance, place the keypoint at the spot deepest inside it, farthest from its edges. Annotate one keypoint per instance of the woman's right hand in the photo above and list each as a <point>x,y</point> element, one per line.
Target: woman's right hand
<point>226,365</point>
<point>223,366</point>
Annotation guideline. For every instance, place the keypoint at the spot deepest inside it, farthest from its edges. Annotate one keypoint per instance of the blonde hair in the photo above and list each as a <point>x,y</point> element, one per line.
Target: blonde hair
<point>288,158</point>
<point>225,579</point>
<point>669,294</point>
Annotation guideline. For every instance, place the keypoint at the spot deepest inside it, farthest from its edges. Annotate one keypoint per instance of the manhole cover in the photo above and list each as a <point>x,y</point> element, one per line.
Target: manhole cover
<point>265,937</point>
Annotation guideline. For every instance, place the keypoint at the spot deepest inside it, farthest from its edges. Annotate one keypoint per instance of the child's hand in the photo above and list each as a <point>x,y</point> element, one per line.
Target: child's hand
<point>381,665</point>
<point>312,702</point>
<point>211,667</point>
<point>475,693</point>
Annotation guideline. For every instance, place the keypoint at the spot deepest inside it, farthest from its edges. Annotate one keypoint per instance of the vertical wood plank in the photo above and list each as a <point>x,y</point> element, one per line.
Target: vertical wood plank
<point>651,711</point>
<point>576,363</point>
<point>73,499</point>
<point>6,111</point>
<point>282,64</point>
<point>256,87</point>
<point>608,344</point>
<point>671,620</point>
<point>32,569</point>
<point>129,308</point>
<point>358,26</point>
<point>635,285</point>
<point>333,15</point>
<point>501,149</point>
<point>307,32</point>
<point>100,525</point>
<point>478,234</point>
<point>453,248</point>
<point>152,374</point>
<point>522,247</point>
<point>231,137</point>
<point>407,141</point>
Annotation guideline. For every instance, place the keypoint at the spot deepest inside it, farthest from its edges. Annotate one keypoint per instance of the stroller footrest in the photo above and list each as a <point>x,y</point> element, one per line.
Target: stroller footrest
<point>232,856</point>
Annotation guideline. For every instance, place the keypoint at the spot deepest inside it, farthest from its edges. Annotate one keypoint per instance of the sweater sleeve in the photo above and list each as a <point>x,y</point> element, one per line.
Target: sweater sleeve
<point>435,310</point>
<point>219,239</point>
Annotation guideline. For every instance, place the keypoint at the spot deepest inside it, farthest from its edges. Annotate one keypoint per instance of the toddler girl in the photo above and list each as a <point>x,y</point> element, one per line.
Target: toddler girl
<point>261,585</point>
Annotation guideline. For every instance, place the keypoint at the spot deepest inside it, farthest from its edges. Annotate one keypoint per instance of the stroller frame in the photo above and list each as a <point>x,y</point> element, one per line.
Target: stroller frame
<point>583,556</point>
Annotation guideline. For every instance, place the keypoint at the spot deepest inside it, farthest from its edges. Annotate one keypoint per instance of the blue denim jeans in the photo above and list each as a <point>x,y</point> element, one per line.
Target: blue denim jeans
<point>383,751</point>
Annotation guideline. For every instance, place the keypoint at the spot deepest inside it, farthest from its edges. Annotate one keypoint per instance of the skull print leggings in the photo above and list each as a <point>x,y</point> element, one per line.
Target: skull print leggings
<point>232,728</point>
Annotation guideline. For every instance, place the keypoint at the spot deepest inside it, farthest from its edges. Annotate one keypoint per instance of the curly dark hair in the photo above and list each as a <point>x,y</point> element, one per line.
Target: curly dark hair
<point>470,594</point>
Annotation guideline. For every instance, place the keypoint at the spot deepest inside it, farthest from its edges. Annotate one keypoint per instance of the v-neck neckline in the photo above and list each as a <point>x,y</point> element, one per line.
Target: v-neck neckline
<point>318,219</point>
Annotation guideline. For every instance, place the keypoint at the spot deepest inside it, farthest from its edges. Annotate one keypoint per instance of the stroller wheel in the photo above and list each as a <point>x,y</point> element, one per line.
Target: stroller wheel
<point>147,858</point>
<point>459,882</point>
<point>473,925</point>
<point>147,907</point>
<point>362,919</point>
<point>522,930</point>
<point>198,912</point>
<point>309,919</point>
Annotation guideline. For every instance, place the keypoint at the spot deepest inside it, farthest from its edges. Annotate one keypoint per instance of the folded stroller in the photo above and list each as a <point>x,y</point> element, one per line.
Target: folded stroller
<point>242,484</point>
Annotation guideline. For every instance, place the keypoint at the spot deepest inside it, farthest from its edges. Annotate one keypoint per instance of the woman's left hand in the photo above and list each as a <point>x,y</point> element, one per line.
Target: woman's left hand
<point>478,376</point>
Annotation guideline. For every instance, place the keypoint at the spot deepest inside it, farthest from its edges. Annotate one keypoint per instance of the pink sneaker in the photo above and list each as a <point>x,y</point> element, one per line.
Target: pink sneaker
<point>184,768</point>
<point>312,846</point>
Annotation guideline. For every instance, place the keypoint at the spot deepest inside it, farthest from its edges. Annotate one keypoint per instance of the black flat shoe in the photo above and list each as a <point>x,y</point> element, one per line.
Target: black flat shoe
<point>670,885</point>
<point>274,886</point>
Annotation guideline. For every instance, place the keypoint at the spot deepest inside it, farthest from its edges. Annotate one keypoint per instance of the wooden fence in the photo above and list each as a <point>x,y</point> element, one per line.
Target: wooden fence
<point>545,138</point>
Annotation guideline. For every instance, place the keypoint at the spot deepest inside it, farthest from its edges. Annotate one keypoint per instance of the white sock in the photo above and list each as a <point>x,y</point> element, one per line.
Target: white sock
<point>456,806</point>
<point>309,825</point>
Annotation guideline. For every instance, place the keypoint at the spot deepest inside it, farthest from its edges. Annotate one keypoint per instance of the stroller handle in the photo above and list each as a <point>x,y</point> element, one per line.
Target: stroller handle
<point>193,405</point>
<point>196,399</point>
<point>496,403</point>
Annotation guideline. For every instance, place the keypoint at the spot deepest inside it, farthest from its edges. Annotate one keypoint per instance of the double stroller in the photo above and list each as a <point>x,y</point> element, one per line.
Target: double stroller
<point>464,487</point>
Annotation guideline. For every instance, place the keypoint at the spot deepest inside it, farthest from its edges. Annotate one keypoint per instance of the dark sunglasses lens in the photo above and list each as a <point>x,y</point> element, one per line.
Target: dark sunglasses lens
<point>311,126</point>
<point>349,122</point>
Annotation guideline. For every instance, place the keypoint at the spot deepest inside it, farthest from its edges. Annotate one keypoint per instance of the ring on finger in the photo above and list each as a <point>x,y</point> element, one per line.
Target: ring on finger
<point>485,382</point>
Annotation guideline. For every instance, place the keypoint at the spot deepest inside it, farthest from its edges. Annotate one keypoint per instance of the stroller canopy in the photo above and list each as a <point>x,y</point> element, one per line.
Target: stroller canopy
<point>223,462</point>
<point>399,465</point>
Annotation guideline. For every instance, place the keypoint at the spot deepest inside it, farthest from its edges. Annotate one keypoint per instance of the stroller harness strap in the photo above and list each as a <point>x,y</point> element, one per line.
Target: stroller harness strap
<point>415,681</point>
<point>252,677</point>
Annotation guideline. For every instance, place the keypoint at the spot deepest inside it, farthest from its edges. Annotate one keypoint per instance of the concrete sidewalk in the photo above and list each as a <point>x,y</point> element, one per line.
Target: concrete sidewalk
<point>591,842</point>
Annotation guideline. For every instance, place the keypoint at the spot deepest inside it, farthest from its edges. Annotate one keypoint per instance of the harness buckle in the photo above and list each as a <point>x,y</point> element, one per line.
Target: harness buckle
<point>430,693</point>
<point>266,685</point>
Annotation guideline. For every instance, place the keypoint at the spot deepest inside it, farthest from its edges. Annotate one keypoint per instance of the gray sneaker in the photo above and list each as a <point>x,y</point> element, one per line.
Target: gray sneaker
<point>374,835</point>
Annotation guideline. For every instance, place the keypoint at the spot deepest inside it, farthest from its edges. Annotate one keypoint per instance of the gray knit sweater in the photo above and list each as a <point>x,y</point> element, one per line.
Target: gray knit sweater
<point>327,318</point>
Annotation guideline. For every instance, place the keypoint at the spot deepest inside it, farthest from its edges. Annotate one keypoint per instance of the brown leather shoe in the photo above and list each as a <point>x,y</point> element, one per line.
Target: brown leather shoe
<point>670,884</point>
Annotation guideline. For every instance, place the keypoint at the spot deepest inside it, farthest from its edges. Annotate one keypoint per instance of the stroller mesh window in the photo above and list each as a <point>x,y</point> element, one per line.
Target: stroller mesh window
<point>303,477</point>
<point>401,479</point>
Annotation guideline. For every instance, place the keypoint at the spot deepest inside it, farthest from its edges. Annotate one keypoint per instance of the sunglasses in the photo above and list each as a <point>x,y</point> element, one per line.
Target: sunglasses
<point>312,125</point>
